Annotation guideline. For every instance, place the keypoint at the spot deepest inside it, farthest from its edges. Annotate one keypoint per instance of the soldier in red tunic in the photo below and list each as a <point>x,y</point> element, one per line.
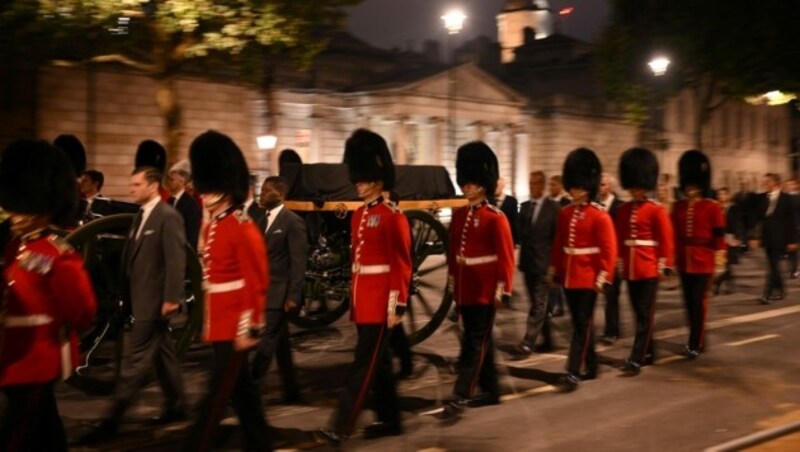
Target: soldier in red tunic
<point>235,280</point>
<point>47,295</point>
<point>583,258</point>
<point>645,242</point>
<point>381,260</point>
<point>481,269</point>
<point>699,243</point>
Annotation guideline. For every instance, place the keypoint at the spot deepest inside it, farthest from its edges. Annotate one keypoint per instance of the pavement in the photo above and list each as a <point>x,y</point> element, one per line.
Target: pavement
<point>747,381</point>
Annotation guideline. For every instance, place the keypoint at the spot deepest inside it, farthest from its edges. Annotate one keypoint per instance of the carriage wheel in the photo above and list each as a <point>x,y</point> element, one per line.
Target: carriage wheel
<point>428,298</point>
<point>100,243</point>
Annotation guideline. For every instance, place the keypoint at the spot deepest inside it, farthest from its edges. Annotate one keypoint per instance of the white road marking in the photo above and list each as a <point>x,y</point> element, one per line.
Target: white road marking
<point>751,340</point>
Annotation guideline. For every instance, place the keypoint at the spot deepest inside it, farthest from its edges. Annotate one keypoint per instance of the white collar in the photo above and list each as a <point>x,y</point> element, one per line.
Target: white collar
<point>275,211</point>
<point>150,205</point>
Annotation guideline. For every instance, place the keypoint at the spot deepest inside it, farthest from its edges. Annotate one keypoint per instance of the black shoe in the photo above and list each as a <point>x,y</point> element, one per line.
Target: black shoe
<point>324,436</point>
<point>630,368</point>
<point>608,339</point>
<point>168,417</point>
<point>381,429</point>
<point>451,412</point>
<point>525,348</point>
<point>691,353</point>
<point>588,375</point>
<point>775,297</point>
<point>480,400</point>
<point>106,431</point>
<point>648,360</point>
<point>765,300</point>
<point>568,382</point>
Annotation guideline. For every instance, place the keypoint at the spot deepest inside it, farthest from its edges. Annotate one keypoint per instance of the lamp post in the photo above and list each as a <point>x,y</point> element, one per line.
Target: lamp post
<point>658,66</point>
<point>453,22</point>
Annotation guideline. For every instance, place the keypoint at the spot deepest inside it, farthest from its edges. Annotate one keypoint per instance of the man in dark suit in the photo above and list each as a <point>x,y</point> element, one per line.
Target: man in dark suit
<point>611,203</point>
<point>734,228</point>
<point>509,205</point>
<point>778,233</point>
<point>555,304</point>
<point>793,190</point>
<point>178,178</point>
<point>287,249</point>
<point>153,266</point>
<point>537,230</point>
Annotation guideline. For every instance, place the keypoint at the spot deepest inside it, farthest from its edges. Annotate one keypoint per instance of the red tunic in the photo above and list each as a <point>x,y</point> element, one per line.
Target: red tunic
<point>645,239</point>
<point>699,232</point>
<point>585,248</point>
<point>48,296</point>
<point>381,256</point>
<point>235,276</point>
<point>480,257</point>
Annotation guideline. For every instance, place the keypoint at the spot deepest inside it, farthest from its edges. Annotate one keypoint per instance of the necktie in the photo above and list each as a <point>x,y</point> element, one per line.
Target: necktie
<point>266,221</point>
<point>137,223</point>
<point>533,211</point>
<point>773,200</point>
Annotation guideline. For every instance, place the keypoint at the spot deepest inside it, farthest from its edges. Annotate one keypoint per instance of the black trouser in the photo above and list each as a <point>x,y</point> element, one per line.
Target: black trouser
<point>555,299</point>
<point>276,343</point>
<point>538,320</point>
<point>230,379</point>
<point>31,421</point>
<point>727,275</point>
<point>581,349</point>
<point>145,346</point>
<point>371,371</point>
<point>695,299</point>
<point>476,361</point>
<point>398,342</point>
<point>611,328</point>
<point>774,277</point>
<point>643,300</point>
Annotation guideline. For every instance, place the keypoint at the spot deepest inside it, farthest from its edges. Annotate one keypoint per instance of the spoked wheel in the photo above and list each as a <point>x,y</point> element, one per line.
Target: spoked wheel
<point>100,243</point>
<point>428,298</point>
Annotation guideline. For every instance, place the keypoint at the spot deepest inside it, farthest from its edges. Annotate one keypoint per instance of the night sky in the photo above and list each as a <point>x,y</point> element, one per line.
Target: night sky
<point>400,23</point>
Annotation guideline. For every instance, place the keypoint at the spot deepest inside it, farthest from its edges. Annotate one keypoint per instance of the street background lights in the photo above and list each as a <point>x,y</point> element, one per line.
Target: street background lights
<point>655,121</point>
<point>453,22</point>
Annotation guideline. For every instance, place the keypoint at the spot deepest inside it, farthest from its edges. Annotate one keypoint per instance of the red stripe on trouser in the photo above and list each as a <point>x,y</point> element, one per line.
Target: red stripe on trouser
<point>649,335</point>
<point>482,357</point>
<point>702,340</point>
<point>365,384</point>
<point>587,335</point>
<point>220,399</point>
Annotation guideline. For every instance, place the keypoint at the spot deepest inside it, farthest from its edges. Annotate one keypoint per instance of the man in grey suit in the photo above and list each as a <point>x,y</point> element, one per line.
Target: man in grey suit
<point>287,250</point>
<point>537,230</point>
<point>153,267</point>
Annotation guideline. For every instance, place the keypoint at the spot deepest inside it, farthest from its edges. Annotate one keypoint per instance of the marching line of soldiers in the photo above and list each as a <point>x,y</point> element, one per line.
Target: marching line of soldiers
<point>48,298</point>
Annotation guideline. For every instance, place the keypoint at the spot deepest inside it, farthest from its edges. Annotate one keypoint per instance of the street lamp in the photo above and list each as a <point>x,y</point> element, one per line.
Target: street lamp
<point>453,22</point>
<point>658,66</point>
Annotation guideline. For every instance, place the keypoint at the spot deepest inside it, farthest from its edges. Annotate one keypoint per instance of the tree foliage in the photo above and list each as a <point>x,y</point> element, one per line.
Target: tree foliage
<point>720,50</point>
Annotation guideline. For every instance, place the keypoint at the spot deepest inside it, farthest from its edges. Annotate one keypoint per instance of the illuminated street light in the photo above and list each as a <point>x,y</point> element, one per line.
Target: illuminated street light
<point>659,65</point>
<point>772,98</point>
<point>266,142</point>
<point>454,20</point>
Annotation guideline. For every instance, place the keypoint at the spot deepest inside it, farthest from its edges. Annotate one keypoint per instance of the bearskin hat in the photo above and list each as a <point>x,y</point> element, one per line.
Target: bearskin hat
<point>151,153</point>
<point>37,178</point>
<point>368,158</point>
<point>638,168</point>
<point>477,164</point>
<point>582,169</point>
<point>74,150</point>
<point>218,166</point>
<point>694,169</point>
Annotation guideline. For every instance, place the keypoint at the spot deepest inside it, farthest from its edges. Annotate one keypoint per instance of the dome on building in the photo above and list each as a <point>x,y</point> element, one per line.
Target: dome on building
<point>517,5</point>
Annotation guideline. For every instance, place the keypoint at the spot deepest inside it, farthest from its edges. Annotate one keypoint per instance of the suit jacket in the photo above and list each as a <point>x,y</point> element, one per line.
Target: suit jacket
<point>780,228</point>
<point>614,208</point>
<point>536,238</point>
<point>509,207</point>
<point>287,251</point>
<point>154,264</point>
<point>190,211</point>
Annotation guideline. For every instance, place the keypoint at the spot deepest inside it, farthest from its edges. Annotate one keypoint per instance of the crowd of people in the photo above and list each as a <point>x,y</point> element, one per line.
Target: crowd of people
<point>578,240</point>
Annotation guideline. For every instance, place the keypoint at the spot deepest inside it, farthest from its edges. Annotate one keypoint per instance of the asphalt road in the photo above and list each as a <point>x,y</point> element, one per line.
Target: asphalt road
<point>746,382</point>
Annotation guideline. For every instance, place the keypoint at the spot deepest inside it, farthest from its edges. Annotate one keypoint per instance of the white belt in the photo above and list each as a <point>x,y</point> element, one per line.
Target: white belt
<point>224,287</point>
<point>21,321</point>
<point>581,251</point>
<point>638,242</point>
<point>469,261</point>
<point>370,269</point>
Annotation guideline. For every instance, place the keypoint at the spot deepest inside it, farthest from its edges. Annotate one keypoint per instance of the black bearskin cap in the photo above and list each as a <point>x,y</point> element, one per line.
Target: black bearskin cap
<point>288,157</point>
<point>151,153</point>
<point>37,178</point>
<point>477,164</point>
<point>582,169</point>
<point>368,158</point>
<point>694,169</point>
<point>74,150</point>
<point>638,168</point>
<point>218,166</point>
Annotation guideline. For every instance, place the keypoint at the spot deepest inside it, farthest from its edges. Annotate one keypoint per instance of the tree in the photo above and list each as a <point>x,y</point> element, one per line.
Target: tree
<point>720,51</point>
<point>159,37</point>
